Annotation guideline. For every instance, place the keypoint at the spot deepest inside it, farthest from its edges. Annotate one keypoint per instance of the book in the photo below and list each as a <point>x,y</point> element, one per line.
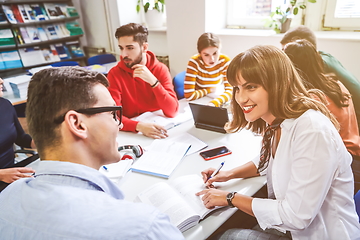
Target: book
<point>161,158</point>
<point>75,49</point>
<point>51,31</point>
<point>2,67</point>
<point>2,17</point>
<point>178,200</point>
<point>116,171</point>
<point>39,12</point>
<point>9,13</point>
<point>33,34</point>
<point>6,37</point>
<point>71,11</point>
<point>25,35</point>
<point>196,144</point>
<point>74,28</point>
<point>54,10</point>
<point>23,13</point>
<point>48,55</point>
<point>17,13</point>
<point>42,34</point>
<point>11,59</point>
<point>159,118</point>
<point>18,36</point>
<point>63,51</point>
<point>30,12</point>
<point>31,56</point>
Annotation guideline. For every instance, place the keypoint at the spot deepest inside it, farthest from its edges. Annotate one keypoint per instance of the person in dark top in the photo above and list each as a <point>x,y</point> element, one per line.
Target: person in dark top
<point>11,132</point>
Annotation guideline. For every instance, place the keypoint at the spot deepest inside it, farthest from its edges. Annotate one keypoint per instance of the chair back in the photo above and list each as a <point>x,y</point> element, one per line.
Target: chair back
<point>68,63</point>
<point>357,203</point>
<point>101,59</point>
<point>178,82</point>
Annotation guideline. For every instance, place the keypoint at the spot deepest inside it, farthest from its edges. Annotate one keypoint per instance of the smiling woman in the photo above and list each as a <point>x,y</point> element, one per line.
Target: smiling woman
<point>306,163</point>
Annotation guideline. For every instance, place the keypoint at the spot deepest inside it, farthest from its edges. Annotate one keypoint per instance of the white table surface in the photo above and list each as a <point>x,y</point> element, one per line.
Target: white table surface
<point>244,146</point>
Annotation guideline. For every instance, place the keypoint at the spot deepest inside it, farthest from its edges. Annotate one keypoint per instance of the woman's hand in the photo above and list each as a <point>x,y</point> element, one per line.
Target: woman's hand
<point>152,130</point>
<point>213,197</point>
<point>10,175</point>
<point>221,176</point>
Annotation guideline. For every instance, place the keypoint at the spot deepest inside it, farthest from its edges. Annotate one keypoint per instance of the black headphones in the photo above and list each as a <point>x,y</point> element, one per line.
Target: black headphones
<point>131,152</point>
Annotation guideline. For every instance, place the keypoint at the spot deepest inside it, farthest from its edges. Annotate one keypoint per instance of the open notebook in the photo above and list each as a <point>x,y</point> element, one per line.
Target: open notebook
<point>177,199</point>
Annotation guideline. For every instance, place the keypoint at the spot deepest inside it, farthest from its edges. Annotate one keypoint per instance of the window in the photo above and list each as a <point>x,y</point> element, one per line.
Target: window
<point>342,14</point>
<point>251,13</point>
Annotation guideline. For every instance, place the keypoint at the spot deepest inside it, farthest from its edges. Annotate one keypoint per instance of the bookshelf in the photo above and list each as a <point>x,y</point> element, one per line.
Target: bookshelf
<point>38,33</point>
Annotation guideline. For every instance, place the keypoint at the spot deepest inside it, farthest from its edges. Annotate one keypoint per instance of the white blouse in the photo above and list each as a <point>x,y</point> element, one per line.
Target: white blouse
<point>312,182</point>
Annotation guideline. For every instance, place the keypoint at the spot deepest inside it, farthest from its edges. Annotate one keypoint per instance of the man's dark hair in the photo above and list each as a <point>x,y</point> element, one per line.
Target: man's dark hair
<point>138,31</point>
<point>300,32</point>
<point>54,91</point>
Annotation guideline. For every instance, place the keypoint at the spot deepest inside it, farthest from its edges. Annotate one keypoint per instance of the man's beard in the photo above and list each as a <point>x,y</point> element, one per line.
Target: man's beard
<point>136,61</point>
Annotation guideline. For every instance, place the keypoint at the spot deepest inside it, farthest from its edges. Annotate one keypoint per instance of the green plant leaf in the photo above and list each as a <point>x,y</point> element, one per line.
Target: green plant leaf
<point>312,1</point>
<point>302,6</point>
<point>288,10</point>
<point>146,6</point>
<point>292,2</point>
<point>137,8</point>
<point>296,10</point>
<point>157,7</point>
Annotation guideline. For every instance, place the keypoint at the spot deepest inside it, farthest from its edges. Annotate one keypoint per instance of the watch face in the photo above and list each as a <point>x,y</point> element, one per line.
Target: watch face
<point>230,195</point>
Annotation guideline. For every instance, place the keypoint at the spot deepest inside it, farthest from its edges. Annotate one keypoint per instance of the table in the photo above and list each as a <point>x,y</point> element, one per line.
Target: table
<point>244,145</point>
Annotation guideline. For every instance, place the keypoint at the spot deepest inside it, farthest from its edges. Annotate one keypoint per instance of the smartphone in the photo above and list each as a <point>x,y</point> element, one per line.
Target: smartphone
<point>215,153</point>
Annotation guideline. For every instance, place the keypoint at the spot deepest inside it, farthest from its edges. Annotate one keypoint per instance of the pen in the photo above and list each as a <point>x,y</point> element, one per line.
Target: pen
<point>104,167</point>
<point>216,171</point>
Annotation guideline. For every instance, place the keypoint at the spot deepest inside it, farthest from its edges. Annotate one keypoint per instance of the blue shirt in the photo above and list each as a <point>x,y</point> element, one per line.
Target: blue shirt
<point>10,132</point>
<point>72,201</point>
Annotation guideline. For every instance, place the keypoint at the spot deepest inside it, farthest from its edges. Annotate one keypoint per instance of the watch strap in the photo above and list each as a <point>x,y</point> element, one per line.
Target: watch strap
<point>229,199</point>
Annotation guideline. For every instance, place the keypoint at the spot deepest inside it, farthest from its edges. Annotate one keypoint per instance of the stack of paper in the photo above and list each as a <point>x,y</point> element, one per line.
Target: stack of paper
<point>19,85</point>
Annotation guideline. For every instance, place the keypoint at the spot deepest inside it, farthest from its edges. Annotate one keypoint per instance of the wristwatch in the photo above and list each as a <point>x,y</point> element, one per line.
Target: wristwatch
<point>229,198</point>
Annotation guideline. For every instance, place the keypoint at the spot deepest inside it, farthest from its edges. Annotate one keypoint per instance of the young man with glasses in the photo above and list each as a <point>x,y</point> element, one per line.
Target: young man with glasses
<point>71,115</point>
<point>140,83</point>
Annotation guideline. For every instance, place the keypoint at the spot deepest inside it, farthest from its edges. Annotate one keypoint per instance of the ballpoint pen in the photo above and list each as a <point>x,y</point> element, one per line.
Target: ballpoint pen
<point>216,171</point>
<point>105,168</point>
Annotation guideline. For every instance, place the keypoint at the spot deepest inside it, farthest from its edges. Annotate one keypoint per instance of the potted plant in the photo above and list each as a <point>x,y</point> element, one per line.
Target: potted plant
<point>280,20</point>
<point>154,10</point>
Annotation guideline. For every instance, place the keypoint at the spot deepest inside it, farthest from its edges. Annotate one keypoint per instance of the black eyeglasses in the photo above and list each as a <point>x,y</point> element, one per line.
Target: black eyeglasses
<point>116,111</point>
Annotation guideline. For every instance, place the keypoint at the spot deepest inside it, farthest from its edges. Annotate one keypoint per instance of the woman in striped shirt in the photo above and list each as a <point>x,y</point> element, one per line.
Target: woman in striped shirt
<point>206,71</point>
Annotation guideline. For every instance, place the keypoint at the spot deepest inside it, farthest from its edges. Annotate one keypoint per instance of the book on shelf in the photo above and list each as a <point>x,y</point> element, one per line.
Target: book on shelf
<point>51,31</point>
<point>25,35</point>
<point>75,49</point>
<point>31,56</point>
<point>6,37</point>
<point>17,14</point>
<point>42,34</point>
<point>74,28</point>
<point>63,51</point>
<point>39,12</point>
<point>177,199</point>
<point>2,65</point>
<point>54,10</point>
<point>117,171</point>
<point>50,54</point>
<point>30,12</point>
<point>161,158</point>
<point>9,13</point>
<point>18,36</point>
<point>2,17</point>
<point>11,59</point>
<point>23,13</point>
<point>71,11</point>
<point>33,34</point>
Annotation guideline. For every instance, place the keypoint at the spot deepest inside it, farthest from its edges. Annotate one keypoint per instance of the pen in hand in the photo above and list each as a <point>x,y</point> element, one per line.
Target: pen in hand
<point>216,171</point>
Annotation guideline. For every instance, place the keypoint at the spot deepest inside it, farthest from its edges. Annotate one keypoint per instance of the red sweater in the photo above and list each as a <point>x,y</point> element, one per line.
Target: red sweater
<point>136,96</point>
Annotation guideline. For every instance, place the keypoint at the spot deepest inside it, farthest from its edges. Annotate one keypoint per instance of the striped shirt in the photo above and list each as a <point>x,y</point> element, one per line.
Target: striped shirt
<point>200,79</point>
